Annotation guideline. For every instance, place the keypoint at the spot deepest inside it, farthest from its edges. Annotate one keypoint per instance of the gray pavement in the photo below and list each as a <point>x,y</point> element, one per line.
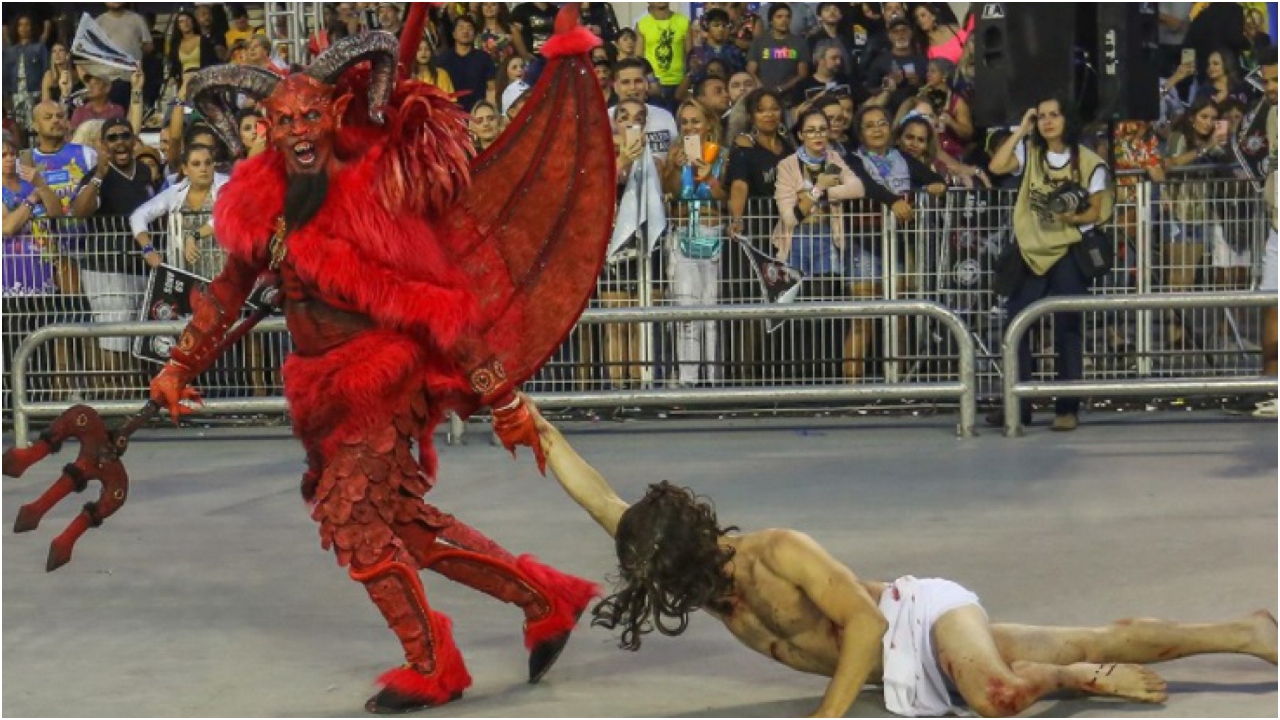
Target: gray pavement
<point>208,595</point>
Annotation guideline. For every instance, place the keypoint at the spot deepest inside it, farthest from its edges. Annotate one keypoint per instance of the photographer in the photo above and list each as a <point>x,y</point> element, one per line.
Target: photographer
<point>1064,194</point>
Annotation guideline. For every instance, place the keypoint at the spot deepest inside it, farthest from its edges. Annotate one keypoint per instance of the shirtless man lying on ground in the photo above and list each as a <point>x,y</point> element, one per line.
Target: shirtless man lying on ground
<point>783,596</point>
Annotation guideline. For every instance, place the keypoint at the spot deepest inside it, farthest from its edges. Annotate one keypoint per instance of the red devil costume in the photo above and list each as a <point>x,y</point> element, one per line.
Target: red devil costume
<point>415,281</point>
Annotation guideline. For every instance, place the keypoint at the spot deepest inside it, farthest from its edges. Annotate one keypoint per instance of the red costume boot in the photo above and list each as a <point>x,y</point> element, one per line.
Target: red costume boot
<point>434,672</point>
<point>552,601</point>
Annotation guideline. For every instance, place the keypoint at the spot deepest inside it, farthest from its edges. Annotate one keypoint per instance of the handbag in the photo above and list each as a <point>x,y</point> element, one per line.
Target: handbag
<point>1095,254</point>
<point>1010,270</point>
<point>700,243</point>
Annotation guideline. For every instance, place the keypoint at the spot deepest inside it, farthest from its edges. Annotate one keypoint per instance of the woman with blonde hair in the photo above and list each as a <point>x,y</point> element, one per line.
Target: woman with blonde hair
<point>697,245</point>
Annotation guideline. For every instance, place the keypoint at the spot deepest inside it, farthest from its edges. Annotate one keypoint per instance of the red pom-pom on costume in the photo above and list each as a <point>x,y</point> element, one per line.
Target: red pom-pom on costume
<point>569,596</point>
<point>570,38</point>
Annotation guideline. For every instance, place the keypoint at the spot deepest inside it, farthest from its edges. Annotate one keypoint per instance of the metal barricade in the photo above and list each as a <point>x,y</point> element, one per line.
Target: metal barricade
<point>944,255</point>
<point>962,388</point>
<point>1014,390</point>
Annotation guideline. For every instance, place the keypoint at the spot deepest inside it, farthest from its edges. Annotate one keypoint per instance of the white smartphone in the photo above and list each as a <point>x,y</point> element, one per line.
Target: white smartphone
<point>693,147</point>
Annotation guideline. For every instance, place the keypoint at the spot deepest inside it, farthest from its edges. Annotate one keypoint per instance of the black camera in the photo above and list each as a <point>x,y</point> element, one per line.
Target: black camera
<point>1068,199</point>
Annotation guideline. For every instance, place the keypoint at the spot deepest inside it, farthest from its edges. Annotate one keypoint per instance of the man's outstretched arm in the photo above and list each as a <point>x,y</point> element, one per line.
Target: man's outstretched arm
<point>835,590</point>
<point>584,484</point>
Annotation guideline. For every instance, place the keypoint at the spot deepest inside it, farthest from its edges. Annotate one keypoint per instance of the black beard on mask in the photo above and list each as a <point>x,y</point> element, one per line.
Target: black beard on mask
<point>303,197</point>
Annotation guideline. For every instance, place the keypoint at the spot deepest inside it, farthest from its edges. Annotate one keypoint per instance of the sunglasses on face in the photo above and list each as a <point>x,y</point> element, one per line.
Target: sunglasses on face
<point>118,137</point>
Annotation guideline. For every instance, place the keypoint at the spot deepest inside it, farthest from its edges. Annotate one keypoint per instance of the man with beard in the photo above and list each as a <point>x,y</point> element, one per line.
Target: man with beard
<point>408,294</point>
<point>112,272</point>
<point>781,594</point>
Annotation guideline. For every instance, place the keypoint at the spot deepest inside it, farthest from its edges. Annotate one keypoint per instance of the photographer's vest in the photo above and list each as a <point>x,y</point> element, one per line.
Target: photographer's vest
<point>1042,239</point>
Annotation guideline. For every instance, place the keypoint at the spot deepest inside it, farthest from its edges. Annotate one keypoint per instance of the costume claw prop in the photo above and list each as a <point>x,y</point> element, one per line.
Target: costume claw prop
<point>99,459</point>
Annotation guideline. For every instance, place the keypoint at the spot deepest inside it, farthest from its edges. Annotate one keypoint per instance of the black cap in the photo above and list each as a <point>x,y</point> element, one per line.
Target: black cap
<point>115,122</point>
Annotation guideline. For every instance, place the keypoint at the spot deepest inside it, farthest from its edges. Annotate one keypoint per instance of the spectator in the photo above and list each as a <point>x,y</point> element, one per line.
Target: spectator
<point>126,29</point>
<point>604,76</point>
<point>744,25</point>
<point>629,84</point>
<point>111,272</point>
<point>955,129</point>
<point>1216,26</point>
<point>389,18</point>
<point>26,61</point>
<point>211,18</point>
<point>258,54</point>
<point>62,79</point>
<point>240,28</point>
<point>697,244</point>
<point>188,205</point>
<point>740,85</point>
<point>97,103</point>
<point>253,134</point>
<point>28,277</point>
<point>833,111</point>
<point>866,22</point>
<point>533,24</point>
<point>828,76</point>
<point>188,49</point>
<point>940,40</point>
<point>810,188</point>
<point>626,45</point>
<point>471,70</point>
<point>510,73</point>
<point>1174,18</point>
<point>889,178</point>
<point>831,26</point>
<point>484,125</point>
<point>1221,79</point>
<point>919,111</point>
<point>619,284</point>
<point>665,42</point>
<point>712,93</point>
<point>1257,37</point>
<point>600,19</point>
<point>1045,152</point>
<point>496,33</point>
<point>898,72</point>
<point>753,162</point>
<point>778,60</point>
<point>1195,140</point>
<point>716,45</point>
<point>878,40</point>
<point>425,70</point>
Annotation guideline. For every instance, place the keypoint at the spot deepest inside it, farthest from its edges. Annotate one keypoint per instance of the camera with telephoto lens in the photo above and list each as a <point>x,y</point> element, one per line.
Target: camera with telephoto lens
<point>1068,199</point>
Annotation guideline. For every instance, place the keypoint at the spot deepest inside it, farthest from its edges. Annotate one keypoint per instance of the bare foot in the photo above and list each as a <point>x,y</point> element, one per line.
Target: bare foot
<point>1132,682</point>
<point>1263,644</point>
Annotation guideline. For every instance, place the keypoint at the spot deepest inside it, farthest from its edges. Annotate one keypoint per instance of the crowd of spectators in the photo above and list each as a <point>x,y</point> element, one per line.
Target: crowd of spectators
<point>779,125</point>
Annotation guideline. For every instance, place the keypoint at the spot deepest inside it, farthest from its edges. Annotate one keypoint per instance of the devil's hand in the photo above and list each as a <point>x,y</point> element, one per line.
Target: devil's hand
<point>514,425</point>
<point>171,387</point>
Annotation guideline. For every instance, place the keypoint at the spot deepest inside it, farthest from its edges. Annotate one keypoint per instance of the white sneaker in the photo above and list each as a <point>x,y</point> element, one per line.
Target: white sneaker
<point>1266,409</point>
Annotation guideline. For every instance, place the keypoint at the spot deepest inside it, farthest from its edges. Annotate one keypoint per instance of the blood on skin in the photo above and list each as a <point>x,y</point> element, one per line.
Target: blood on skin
<point>1006,700</point>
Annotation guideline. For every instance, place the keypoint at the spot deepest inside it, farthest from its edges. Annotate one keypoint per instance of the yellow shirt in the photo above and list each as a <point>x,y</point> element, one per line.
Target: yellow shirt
<point>234,35</point>
<point>441,80</point>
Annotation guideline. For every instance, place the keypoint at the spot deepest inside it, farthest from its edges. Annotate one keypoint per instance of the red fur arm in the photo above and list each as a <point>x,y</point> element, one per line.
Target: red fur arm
<point>433,312</point>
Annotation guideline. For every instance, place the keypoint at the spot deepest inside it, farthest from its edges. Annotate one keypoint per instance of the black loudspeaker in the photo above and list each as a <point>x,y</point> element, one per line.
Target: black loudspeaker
<point>1127,61</point>
<point>1021,52</point>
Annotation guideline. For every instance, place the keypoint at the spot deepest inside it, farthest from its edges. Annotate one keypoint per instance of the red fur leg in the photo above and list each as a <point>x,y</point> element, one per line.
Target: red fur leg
<point>434,672</point>
<point>570,596</point>
<point>552,601</point>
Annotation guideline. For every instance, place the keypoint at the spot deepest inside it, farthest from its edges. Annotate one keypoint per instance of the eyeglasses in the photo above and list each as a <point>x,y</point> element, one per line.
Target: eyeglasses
<point>875,124</point>
<point>814,131</point>
<point>118,137</point>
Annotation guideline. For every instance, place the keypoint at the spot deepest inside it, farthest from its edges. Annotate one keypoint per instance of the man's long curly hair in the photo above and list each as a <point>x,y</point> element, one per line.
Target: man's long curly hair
<point>671,564</point>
